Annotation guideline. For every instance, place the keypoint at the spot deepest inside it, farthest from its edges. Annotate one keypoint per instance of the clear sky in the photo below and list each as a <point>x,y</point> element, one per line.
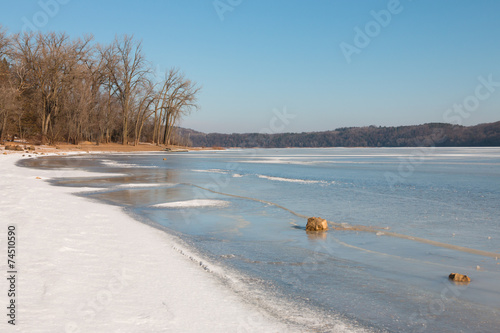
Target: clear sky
<point>326,63</point>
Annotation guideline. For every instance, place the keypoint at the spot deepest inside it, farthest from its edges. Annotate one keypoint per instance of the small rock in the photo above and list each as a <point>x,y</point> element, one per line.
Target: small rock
<point>316,224</point>
<point>455,277</point>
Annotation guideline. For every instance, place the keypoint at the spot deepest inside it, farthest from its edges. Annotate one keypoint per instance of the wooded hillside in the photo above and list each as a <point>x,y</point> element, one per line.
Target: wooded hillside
<point>433,134</point>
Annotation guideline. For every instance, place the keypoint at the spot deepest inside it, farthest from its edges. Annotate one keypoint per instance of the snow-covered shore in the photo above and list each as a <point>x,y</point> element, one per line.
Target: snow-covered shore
<point>89,267</point>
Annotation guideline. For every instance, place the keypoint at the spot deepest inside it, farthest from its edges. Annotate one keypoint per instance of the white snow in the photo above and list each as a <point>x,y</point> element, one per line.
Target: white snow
<point>146,185</point>
<point>193,203</point>
<point>88,267</point>
<point>292,180</point>
<point>213,171</point>
<point>125,165</point>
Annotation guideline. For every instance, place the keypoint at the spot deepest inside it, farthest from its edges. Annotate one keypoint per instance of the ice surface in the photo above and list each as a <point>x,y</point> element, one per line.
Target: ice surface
<point>145,185</point>
<point>193,203</point>
<point>292,180</point>
<point>124,165</point>
<point>213,171</point>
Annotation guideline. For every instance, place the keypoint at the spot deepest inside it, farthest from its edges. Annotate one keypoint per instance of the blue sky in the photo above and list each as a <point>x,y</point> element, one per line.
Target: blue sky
<point>418,62</point>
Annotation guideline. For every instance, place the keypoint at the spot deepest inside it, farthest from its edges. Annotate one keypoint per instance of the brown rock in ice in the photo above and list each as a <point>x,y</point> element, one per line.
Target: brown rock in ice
<point>455,277</point>
<point>316,224</point>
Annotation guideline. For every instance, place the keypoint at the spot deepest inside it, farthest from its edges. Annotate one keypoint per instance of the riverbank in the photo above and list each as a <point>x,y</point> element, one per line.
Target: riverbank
<point>89,147</point>
<point>83,266</point>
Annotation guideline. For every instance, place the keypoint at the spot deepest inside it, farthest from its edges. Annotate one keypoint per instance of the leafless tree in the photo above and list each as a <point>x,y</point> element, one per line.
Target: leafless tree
<point>50,61</point>
<point>4,42</point>
<point>145,101</point>
<point>8,99</point>
<point>69,89</point>
<point>128,71</point>
<point>176,98</point>
<point>6,92</point>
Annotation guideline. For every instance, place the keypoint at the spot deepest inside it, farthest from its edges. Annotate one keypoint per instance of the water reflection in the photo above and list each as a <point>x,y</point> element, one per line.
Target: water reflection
<point>143,197</point>
<point>316,235</point>
<point>130,189</point>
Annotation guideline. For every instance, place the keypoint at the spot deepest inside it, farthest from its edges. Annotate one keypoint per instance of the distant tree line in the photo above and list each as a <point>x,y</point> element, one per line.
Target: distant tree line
<point>432,134</point>
<point>55,88</point>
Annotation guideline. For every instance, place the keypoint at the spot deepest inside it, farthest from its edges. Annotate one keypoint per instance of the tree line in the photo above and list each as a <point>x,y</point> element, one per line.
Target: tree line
<point>55,88</point>
<point>432,134</point>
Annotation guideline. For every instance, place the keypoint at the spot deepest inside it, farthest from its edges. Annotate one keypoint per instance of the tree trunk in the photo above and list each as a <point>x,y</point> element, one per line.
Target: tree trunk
<point>125,130</point>
<point>4,125</point>
<point>136,130</point>
<point>155,125</point>
<point>140,129</point>
<point>45,128</point>
<point>167,121</point>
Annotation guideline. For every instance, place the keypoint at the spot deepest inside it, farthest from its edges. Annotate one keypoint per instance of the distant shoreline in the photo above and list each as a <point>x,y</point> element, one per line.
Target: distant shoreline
<point>426,135</point>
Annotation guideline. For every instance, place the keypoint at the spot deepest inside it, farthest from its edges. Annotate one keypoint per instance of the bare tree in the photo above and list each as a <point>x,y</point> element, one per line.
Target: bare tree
<point>143,110</point>
<point>58,88</point>
<point>181,100</point>
<point>8,97</point>
<point>176,98</point>
<point>92,100</point>
<point>172,80</point>
<point>4,42</point>
<point>50,61</point>
<point>111,108</point>
<point>6,91</point>
<point>128,71</point>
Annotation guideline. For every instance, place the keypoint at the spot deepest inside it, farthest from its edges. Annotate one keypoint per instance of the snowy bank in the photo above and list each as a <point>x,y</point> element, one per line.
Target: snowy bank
<point>83,266</point>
